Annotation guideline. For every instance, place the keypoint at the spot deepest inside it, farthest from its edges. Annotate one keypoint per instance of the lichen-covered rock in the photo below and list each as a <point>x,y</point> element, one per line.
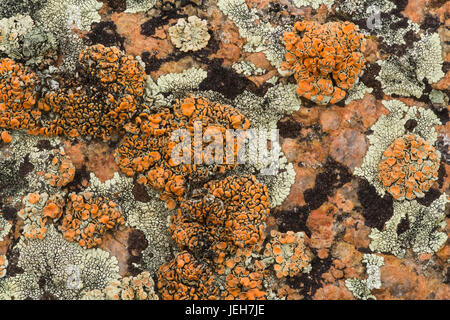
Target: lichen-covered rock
<point>190,35</point>
<point>57,267</point>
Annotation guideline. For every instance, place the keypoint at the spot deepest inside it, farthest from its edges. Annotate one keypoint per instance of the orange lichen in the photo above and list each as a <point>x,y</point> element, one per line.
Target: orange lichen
<point>17,97</point>
<point>86,219</point>
<point>408,167</point>
<point>99,105</point>
<point>290,253</point>
<point>5,137</point>
<point>228,214</point>
<point>186,278</point>
<point>146,149</point>
<point>61,170</point>
<point>326,60</point>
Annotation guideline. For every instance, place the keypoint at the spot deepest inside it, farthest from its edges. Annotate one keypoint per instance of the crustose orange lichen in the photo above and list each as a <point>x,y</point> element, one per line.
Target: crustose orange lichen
<point>326,60</point>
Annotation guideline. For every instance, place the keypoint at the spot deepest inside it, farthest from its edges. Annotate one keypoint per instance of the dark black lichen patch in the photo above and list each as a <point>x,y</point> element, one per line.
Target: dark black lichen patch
<point>13,259</point>
<point>430,196</point>
<point>117,5</point>
<point>293,220</point>
<point>140,193</point>
<point>105,33</point>
<point>9,213</point>
<point>410,124</point>
<point>309,283</point>
<point>334,176</point>
<point>136,244</point>
<point>403,226</point>
<point>430,23</point>
<point>369,79</point>
<point>225,81</point>
<point>44,145</point>
<point>153,62</point>
<point>376,210</point>
<point>149,27</point>
<point>289,128</point>
<point>76,184</point>
<point>25,167</point>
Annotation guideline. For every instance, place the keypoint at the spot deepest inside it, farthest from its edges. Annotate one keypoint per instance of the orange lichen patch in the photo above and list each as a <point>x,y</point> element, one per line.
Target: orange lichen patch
<point>86,219</point>
<point>244,284</point>
<point>61,170</point>
<point>107,96</point>
<point>148,149</point>
<point>5,137</point>
<point>17,97</point>
<point>408,167</point>
<point>228,214</point>
<point>290,253</point>
<point>3,265</point>
<point>185,278</point>
<point>326,59</point>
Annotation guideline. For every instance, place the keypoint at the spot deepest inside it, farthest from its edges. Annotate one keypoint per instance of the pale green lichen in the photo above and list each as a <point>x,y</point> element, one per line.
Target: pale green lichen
<point>422,235</point>
<point>149,217</point>
<point>260,37</point>
<point>152,219</point>
<point>357,92</point>
<point>58,267</point>
<point>134,6</point>
<point>21,40</point>
<point>361,289</point>
<point>171,86</point>
<point>405,76</point>
<point>315,4</point>
<point>247,68</point>
<point>390,127</point>
<point>190,35</point>
<point>5,227</point>
<point>60,17</point>
<point>279,184</point>
<point>140,287</point>
<point>279,101</point>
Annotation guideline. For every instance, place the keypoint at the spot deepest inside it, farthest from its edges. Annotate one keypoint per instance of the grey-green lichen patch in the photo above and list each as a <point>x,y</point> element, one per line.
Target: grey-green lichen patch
<point>152,218</point>
<point>357,92</point>
<point>57,267</point>
<point>140,287</point>
<point>422,234</point>
<point>248,68</point>
<point>5,227</point>
<point>22,41</point>
<point>261,37</point>
<point>20,160</point>
<point>279,101</point>
<point>60,17</point>
<point>149,217</point>
<point>390,127</point>
<point>379,18</point>
<point>168,87</point>
<point>405,76</point>
<point>190,35</point>
<point>279,184</point>
<point>315,4</point>
<point>134,6</point>
<point>361,289</point>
